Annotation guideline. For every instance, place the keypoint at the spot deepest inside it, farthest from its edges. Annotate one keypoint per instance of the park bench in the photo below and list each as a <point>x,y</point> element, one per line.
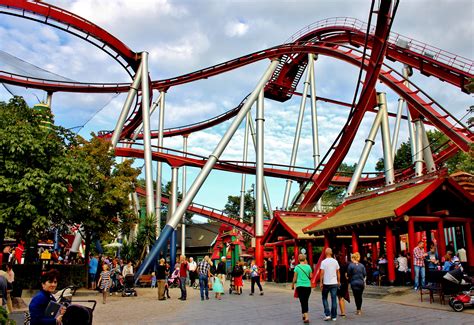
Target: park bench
<point>145,280</point>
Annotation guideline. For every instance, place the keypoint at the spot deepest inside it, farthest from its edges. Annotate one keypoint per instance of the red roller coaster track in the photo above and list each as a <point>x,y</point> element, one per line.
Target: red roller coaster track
<point>210,213</point>
<point>325,37</point>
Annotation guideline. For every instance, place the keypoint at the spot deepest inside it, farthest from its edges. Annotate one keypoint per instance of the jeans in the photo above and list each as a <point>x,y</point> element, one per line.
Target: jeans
<point>255,279</point>
<point>330,288</point>
<point>303,295</point>
<point>417,276</point>
<point>182,286</point>
<point>204,285</point>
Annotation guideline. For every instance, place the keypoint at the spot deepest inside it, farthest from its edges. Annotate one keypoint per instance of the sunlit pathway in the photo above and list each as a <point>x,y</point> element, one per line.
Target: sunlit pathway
<point>277,306</point>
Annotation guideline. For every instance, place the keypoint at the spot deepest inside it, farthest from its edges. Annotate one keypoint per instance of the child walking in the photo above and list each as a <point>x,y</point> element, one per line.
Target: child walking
<point>218,288</point>
<point>153,280</point>
<point>105,281</point>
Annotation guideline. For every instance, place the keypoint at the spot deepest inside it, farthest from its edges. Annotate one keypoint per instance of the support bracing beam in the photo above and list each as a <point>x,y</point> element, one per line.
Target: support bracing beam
<point>213,158</point>
<point>401,104</point>
<point>386,143</point>
<point>172,208</point>
<point>314,116</point>
<point>132,93</point>
<point>183,191</point>
<point>427,154</point>
<point>296,140</point>
<point>419,147</point>
<point>244,158</point>
<point>159,167</point>
<point>259,121</point>
<point>150,203</point>
<point>265,188</point>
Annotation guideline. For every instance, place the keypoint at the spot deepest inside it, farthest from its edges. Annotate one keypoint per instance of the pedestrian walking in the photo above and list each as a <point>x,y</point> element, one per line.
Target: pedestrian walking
<point>254,278</point>
<point>330,281</point>
<point>192,267</point>
<point>203,272</point>
<point>222,269</point>
<point>357,276</point>
<point>183,269</point>
<point>161,279</point>
<point>302,279</point>
<point>218,287</point>
<point>105,281</point>
<point>343,289</point>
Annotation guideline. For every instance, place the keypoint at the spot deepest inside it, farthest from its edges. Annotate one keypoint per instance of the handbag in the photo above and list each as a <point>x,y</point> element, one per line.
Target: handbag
<point>295,294</point>
<point>307,276</point>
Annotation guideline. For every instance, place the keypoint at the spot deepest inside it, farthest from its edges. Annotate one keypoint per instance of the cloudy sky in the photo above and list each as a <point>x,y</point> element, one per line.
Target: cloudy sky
<point>183,36</point>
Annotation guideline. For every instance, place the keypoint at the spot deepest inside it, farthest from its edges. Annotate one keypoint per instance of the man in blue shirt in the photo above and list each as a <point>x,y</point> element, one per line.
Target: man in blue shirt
<point>93,264</point>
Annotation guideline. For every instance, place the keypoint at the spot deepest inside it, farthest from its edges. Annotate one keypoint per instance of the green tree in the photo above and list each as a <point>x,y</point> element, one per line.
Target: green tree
<point>35,169</point>
<point>232,207</point>
<point>334,195</point>
<point>462,161</point>
<point>100,201</point>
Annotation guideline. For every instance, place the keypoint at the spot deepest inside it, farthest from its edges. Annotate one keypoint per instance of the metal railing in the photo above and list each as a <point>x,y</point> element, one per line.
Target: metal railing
<point>396,40</point>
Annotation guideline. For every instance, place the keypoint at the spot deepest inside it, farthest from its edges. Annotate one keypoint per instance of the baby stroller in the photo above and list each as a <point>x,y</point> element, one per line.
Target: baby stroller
<point>173,280</point>
<point>461,289</point>
<point>129,286</point>
<point>76,314</point>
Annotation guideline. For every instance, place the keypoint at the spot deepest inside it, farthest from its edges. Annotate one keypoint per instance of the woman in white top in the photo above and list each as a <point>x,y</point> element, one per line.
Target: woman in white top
<point>127,269</point>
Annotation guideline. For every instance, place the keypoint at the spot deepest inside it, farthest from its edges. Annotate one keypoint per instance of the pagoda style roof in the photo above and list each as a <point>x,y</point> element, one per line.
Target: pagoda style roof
<point>392,204</point>
<point>290,224</point>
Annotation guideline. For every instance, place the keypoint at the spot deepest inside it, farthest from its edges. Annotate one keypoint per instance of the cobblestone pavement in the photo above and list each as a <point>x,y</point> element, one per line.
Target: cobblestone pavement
<point>277,306</point>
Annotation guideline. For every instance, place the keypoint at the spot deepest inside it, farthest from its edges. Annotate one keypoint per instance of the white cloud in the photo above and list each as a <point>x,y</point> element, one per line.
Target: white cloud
<point>236,28</point>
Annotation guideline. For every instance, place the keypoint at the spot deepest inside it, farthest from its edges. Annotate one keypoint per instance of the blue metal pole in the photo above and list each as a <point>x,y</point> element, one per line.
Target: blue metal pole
<point>155,251</point>
<point>173,242</point>
<point>56,239</point>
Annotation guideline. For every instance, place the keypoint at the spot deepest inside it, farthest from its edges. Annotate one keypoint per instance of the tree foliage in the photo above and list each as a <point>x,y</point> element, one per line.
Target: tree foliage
<point>51,178</point>
<point>462,161</point>
<point>232,207</point>
<point>334,195</point>
<point>35,169</point>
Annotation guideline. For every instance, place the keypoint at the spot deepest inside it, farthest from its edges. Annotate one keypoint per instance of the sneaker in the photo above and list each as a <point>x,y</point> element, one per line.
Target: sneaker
<point>207,298</point>
<point>326,318</point>
<point>202,299</point>
<point>334,319</point>
<point>251,294</point>
<point>261,293</point>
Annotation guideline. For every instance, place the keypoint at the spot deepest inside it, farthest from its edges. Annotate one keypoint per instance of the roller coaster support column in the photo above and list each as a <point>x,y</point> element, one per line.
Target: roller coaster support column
<point>150,203</point>
<point>427,154</point>
<point>244,158</point>
<point>159,168</point>
<point>172,208</point>
<point>265,188</point>
<point>206,169</point>
<point>387,145</point>
<point>132,93</point>
<point>183,190</point>
<point>139,129</point>
<point>405,72</point>
<point>49,98</point>
<point>314,116</point>
<point>296,140</point>
<point>419,147</point>
<point>369,142</point>
<point>259,121</point>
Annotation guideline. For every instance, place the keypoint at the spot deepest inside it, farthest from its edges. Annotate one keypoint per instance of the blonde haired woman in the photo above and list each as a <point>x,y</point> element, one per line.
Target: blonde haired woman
<point>357,276</point>
<point>302,278</point>
<point>161,279</point>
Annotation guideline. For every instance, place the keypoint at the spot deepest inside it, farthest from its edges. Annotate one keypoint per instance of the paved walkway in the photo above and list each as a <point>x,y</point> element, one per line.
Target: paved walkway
<point>277,306</point>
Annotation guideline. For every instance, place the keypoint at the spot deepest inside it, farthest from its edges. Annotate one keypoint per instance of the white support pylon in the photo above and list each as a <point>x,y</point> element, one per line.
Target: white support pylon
<point>150,203</point>
<point>244,158</point>
<point>183,191</point>
<point>296,140</point>
<point>132,93</point>
<point>314,117</point>
<point>159,166</point>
